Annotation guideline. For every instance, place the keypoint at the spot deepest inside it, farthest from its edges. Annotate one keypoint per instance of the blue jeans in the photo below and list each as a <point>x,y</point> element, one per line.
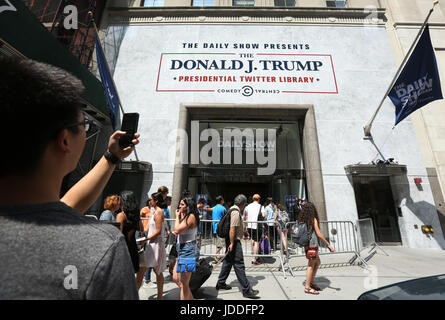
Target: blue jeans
<point>236,259</point>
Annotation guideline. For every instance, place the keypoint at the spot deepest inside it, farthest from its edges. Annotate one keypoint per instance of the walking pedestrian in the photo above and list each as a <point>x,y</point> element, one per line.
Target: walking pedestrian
<point>111,205</point>
<point>251,213</point>
<point>155,248</point>
<point>186,225</point>
<point>234,248</point>
<point>309,216</point>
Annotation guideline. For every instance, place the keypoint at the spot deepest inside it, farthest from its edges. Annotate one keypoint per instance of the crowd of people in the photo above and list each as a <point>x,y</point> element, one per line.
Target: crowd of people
<point>88,259</point>
<point>195,222</point>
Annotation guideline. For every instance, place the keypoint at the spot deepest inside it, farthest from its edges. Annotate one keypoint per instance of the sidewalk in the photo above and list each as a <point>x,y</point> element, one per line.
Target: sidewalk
<point>337,279</point>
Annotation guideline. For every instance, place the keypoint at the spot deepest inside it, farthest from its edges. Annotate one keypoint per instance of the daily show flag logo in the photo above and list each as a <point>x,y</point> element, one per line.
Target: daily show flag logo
<point>107,82</point>
<point>418,83</point>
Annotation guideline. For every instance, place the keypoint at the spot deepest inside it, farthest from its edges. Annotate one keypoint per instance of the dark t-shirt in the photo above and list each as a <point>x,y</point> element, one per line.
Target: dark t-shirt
<point>51,251</point>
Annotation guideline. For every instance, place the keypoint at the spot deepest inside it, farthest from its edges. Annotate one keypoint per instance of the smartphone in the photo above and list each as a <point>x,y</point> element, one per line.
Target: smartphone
<point>130,123</point>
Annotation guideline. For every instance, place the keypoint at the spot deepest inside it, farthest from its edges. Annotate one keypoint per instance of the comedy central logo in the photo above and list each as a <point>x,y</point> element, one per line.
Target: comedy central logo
<point>247,91</point>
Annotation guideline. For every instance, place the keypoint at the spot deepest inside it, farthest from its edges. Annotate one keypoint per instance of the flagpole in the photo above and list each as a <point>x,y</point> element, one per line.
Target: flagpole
<point>367,128</point>
<point>108,69</point>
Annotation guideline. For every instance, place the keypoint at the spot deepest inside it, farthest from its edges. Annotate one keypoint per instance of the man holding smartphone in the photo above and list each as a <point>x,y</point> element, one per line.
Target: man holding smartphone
<point>49,249</point>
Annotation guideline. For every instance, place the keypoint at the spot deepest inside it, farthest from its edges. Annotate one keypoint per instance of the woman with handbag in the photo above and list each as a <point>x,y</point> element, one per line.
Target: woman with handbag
<point>186,225</point>
<point>309,216</point>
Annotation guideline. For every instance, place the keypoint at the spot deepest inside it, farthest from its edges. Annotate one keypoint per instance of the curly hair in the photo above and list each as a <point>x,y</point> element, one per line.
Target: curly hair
<point>111,201</point>
<point>308,213</point>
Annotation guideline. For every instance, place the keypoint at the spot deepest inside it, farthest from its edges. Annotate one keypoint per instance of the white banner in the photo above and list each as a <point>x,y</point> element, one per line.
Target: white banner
<point>246,73</point>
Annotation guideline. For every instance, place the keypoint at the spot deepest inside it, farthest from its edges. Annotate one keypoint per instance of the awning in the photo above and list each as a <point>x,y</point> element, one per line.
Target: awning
<point>23,35</point>
<point>376,169</point>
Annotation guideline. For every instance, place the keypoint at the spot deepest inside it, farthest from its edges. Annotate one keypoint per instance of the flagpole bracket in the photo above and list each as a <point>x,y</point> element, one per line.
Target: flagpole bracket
<point>367,131</point>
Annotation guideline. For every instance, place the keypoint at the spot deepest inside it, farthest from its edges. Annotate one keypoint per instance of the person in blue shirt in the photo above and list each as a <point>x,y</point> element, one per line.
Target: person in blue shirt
<point>167,213</point>
<point>217,213</point>
<point>111,205</point>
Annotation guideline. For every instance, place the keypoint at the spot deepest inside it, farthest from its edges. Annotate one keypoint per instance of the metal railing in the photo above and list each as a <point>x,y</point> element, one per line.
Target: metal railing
<point>365,230</point>
<point>261,232</point>
<point>340,234</point>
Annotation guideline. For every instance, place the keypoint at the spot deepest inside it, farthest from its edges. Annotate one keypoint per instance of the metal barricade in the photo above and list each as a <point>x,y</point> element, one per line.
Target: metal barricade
<point>257,231</point>
<point>340,234</point>
<point>211,245</point>
<point>365,230</point>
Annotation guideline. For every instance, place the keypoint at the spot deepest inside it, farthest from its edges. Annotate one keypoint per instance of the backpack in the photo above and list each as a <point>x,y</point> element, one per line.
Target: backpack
<point>300,234</point>
<point>223,227</point>
<point>282,218</point>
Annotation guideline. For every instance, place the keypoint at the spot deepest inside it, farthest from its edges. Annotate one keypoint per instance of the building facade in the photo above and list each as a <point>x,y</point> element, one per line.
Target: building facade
<point>271,97</point>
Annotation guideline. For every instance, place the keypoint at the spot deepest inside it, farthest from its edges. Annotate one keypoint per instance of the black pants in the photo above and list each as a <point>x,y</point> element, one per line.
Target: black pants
<point>236,259</point>
<point>273,236</point>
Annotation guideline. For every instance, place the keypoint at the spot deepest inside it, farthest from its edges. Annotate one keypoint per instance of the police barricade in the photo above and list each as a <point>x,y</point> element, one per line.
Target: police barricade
<point>262,236</point>
<point>340,234</point>
<point>366,236</point>
<point>265,235</point>
<point>263,242</point>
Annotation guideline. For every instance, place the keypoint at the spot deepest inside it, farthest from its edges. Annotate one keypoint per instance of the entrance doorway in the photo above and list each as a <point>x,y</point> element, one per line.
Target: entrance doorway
<point>229,182</point>
<point>373,196</point>
<point>231,190</point>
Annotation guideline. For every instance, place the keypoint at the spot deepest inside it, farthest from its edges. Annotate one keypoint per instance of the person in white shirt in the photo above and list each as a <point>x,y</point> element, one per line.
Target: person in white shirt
<point>255,230</point>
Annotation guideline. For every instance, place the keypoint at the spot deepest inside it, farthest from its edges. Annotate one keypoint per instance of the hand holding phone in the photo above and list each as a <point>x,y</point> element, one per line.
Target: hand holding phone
<point>130,123</point>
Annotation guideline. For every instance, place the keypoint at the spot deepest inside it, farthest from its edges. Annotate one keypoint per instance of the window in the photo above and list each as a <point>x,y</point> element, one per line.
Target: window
<point>243,3</point>
<point>336,3</point>
<point>153,3</point>
<point>284,3</point>
<point>203,3</point>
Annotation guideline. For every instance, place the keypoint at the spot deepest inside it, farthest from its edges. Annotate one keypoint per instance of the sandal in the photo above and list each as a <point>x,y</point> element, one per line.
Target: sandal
<point>315,287</point>
<point>310,291</point>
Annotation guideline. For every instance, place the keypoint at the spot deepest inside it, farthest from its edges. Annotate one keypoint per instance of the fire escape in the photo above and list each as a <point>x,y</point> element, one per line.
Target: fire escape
<point>80,40</point>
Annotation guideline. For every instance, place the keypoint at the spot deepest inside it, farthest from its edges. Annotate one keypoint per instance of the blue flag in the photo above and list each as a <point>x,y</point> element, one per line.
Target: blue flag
<point>418,83</point>
<point>107,83</point>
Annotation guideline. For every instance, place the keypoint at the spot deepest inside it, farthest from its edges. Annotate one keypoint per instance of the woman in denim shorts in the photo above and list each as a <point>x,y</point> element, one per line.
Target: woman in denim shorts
<point>187,221</point>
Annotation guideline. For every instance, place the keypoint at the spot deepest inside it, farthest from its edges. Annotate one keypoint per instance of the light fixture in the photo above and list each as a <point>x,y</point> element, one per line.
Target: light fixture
<point>427,229</point>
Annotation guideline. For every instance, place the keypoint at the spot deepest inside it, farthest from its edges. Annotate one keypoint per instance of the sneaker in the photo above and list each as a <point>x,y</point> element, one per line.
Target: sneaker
<point>223,286</point>
<point>256,262</point>
<point>251,294</point>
